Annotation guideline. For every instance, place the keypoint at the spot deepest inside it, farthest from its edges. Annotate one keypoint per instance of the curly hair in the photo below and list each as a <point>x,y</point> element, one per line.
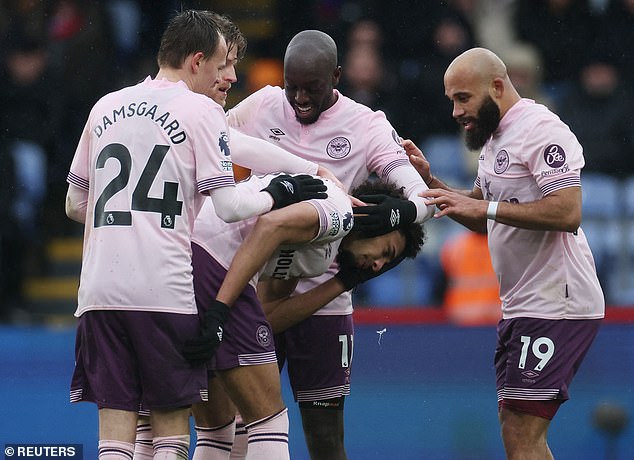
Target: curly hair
<point>414,233</point>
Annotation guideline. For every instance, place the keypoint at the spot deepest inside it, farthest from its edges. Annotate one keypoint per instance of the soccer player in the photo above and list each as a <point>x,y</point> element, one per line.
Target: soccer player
<point>310,118</point>
<point>146,158</point>
<point>527,196</point>
<point>295,242</point>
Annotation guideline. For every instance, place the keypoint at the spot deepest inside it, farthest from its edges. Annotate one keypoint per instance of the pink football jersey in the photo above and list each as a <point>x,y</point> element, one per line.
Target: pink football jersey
<point>147,155</point>
<point>542,274</point>
<point>221,239</point>
<point>348,138</point>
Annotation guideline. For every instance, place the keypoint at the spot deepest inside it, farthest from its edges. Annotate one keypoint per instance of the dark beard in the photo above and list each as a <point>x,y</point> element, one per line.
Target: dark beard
<point>484,126</point>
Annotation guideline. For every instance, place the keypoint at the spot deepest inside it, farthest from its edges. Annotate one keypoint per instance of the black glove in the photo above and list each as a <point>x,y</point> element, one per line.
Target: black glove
<point>200,349</point>
<point>351,277</point>
<point>388,214</point>
<point>287,189</point>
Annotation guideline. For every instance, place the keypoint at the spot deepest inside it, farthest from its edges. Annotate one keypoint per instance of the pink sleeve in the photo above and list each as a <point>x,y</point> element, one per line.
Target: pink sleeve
<point>553,155</point>
<point>212,151</point>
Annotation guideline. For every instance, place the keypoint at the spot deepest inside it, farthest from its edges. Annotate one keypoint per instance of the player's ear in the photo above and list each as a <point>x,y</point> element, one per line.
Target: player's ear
<point>336,76</point>
<point>196,61</point>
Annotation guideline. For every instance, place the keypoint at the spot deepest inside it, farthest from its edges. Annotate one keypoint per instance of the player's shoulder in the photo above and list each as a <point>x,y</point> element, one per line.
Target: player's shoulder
<point>360,111</point>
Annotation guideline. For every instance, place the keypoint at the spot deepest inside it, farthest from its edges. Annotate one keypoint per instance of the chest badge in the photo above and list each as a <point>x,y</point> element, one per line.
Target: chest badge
<point>339,147</point>
<point>501,162</point>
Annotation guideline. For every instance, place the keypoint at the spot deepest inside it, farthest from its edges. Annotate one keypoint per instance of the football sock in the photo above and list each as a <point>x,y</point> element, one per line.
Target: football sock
<point>268,437</point>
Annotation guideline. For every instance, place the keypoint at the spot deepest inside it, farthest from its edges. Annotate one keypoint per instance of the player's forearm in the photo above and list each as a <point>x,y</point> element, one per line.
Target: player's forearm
<point>233,203</point>
<point>76,203</point>
<point>284,313</point>
<point>262,157</point>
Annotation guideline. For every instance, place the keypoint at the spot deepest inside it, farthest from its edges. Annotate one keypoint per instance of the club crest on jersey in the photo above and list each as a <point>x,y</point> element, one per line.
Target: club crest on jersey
<point>501,162</point>
<point>339,147</point>
<point>263,335</point>
<point>223,143</point>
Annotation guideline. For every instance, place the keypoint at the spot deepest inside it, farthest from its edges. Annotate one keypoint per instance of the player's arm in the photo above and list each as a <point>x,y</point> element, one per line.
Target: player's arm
<point>560,210</point>
<point>298,223</point>
<point>383,214</point>
<point>264,157</point>
<point>284,310</point>
<point>238,202</point>
<point>76,203</point>
<point>423,167</point>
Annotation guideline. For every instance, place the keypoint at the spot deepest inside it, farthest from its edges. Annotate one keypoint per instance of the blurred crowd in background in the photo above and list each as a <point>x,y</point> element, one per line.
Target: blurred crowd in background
<point>57,57</point>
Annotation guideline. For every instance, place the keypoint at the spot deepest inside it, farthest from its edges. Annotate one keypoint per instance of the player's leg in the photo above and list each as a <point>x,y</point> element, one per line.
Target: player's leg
<point>143,449</point>
<point>101,338</point>
<point>215,424</point>
<point>524,436</point>
<point>117,429</point>
<point>170,385</point>
<point>171,433</point>
<point>536,360</point>
<point>257,393</point>
<point>322,422</point>
<point>319,357</point>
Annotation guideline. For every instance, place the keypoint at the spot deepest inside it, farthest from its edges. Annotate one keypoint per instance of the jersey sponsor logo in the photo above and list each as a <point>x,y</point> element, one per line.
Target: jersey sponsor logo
<point>554,156</point>
<point>283,264</point>
<point>223,143</point>
<point>337,148</point>
<point>263,335</point>
<point>335,223</point>
<point>501,162</point>
<point>226,165</point>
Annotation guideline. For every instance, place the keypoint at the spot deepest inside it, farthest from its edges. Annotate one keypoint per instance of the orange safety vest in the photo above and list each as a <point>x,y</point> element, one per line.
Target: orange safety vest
<point>472,297</point>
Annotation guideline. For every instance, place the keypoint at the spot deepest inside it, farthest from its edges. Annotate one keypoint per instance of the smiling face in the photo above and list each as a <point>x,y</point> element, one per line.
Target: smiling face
<point>309,90</point>
<point>473,108</point>
<point>371,253</point>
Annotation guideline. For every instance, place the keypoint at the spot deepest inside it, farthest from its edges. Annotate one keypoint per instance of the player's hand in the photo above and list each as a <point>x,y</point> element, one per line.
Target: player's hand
<point>326,173</point>
<point>351,277</point>
<point>418,160</point>
<point>287,189</point>
<point>388,214</point>
<point>199,350</point>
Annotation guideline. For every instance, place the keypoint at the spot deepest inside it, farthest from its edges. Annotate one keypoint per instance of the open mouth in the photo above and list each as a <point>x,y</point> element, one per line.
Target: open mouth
<point>467,123</point>
<point>304,111</point>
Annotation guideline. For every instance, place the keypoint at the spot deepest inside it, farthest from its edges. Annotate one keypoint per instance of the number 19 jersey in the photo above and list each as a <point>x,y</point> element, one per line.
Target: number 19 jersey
<point>147,156</point>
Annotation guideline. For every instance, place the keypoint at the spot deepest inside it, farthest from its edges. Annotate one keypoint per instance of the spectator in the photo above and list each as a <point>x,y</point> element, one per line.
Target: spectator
<point>472,295</point>
<point>562,31</point>
<point>31,104</point>
<point>599,110</point>
<point>525,68</point>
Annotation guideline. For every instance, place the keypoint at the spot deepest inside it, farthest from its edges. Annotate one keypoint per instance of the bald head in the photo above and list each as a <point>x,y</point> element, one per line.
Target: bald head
<point>312,49</point>
<point>479,71</point>
<point>480,63</point>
